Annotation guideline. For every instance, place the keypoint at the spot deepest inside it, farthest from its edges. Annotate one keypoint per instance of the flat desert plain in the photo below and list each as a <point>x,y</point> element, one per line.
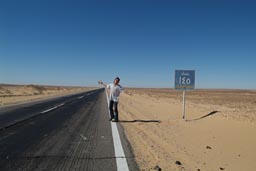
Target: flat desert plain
<point>12,94</point>
<point>218,132</point>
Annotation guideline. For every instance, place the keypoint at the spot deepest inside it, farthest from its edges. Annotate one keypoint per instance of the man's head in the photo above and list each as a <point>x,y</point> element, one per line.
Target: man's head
<point>116,80</point>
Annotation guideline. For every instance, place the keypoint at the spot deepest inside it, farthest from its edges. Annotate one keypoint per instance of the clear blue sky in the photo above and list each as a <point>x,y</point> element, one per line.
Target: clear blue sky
<point>79,42</point>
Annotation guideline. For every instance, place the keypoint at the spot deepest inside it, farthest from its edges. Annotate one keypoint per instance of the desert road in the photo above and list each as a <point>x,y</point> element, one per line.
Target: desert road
<point>65,133</point>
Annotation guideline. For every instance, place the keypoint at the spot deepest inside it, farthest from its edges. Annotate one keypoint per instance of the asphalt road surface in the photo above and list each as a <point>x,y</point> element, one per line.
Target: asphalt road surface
<point>66,133</point>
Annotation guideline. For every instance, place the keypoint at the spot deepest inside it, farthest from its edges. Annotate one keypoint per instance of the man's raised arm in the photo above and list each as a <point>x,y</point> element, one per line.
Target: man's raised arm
<point>102,83</point>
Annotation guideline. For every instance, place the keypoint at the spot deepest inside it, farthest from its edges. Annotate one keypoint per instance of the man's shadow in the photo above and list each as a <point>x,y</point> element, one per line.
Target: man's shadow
<point>158,121</point>
<point>207,115</point>
<point>139,120</point>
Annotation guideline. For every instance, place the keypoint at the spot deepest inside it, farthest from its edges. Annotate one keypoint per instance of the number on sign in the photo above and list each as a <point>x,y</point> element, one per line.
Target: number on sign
<point>184,81</point>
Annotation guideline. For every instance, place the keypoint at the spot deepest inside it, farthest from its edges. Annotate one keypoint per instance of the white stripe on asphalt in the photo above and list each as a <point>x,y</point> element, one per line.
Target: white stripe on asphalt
<point>48,110</point>
<point>119,152</point>
<point>80,97</point>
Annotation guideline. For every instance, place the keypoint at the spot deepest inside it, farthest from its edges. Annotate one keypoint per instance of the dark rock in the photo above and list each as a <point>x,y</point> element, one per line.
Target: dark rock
<point>222,168</point>
<point>178,163</point>
<point>157,168</point>
<point>198,169</point>
<point>208,147</point>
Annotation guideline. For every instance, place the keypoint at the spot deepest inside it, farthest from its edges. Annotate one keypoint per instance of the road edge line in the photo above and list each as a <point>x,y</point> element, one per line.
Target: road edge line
<point>119,152</point>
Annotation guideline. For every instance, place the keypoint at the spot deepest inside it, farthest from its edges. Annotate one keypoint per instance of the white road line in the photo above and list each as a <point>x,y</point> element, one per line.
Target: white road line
<point>80,97</point>
<point>119,152</point>
<point>55,107</point>
<point>90,93</point>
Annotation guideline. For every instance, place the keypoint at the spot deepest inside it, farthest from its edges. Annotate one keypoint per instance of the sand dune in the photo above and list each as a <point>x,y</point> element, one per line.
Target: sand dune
<point>10,94</point>
<point>218,133</point>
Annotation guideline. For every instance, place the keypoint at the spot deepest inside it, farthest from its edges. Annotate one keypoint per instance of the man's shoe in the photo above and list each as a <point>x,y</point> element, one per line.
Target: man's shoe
<point>114,120</point>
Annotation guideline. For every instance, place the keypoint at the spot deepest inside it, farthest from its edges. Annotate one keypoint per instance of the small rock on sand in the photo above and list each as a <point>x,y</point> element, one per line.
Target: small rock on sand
<point>208,147</point>
<point>178,163</point>
<point>158,168</point>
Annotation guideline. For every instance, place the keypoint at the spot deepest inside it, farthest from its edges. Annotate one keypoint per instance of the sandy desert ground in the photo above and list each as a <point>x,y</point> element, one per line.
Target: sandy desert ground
<point>11,94</point>
<point>218,133</point>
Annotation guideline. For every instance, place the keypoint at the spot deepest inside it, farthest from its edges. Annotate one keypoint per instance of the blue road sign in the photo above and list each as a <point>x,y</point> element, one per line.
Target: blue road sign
<point>184,79</point>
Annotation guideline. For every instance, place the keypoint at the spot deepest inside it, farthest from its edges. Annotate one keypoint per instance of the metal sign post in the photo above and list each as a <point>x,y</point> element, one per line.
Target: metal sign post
<point>184,103</point>
<point>184,80</point>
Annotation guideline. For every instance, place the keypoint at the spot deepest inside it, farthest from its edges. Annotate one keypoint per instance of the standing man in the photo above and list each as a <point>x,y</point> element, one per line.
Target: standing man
<point>115,90</point>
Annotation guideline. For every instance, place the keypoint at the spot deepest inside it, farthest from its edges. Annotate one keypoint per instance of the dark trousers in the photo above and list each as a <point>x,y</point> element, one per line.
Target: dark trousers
<point>113,109</point>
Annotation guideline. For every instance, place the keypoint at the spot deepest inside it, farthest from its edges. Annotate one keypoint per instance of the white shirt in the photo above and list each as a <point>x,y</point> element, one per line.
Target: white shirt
<point>115,91</point>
